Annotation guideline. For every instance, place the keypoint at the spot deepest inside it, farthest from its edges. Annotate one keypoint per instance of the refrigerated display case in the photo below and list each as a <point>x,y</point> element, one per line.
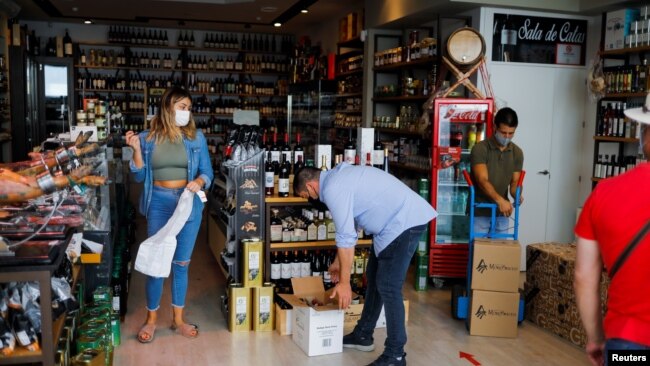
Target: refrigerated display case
<point>457,125</point>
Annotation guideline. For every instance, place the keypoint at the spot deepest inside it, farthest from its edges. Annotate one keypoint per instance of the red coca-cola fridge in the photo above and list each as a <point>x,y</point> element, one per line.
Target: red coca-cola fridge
<point>458,124</point>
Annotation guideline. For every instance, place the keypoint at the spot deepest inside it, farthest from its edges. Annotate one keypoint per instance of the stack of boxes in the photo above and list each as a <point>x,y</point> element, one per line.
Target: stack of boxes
<point>627,28</point>
<point>250,304</point>
<point>495,288</point>
<point>550,298</point>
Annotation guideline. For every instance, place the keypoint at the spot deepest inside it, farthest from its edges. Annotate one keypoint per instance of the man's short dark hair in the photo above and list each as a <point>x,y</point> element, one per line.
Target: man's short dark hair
<point>302,176</point>
<point>506,116</point>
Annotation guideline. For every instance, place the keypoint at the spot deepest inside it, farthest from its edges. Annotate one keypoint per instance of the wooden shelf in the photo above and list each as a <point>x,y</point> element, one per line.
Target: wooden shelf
<point>313,244</point>
<point>171,47</point>
<point>349,95</point>
<point>626,95</point>
<point>109,91</point>
<point>398,131</point>
<point>351,111</point>
<point>346,128</point>
<point>233,72</point>
<point>625,51</point>
<point>239,95</point>
<point>351,43</point>
<point>409,167</point>
<point>159,69</point>
<point>399,65</point>
<point>594,179</point>
<point>291,199</point>
<point>230,115</point>
<point>351,53</point>
<point>353,72</point>
<point>416,98</point>
<point>615,139</point>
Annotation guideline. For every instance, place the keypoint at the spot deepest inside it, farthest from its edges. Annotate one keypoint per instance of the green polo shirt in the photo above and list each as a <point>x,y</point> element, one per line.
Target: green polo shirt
<point>500,165</point>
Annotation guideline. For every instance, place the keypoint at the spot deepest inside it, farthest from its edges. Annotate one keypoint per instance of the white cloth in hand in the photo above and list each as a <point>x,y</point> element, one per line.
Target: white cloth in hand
<point>156,252</point>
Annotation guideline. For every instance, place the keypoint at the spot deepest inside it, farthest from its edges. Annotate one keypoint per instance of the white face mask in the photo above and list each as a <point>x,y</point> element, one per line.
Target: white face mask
<point>182,117</point>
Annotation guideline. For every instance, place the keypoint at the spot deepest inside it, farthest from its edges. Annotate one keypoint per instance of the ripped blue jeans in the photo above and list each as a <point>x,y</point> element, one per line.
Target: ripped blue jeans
<point>163,204</point>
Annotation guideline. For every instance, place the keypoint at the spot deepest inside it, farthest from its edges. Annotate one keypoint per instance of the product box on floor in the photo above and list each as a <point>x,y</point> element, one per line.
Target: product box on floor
<point>283,320</point>
<point>353,314</point>
<point>494,314</point>
<point>239,308</point>
<point>316,329</point>
<point>263,311</point>
<point>551,265</point>
<point>496,265</point>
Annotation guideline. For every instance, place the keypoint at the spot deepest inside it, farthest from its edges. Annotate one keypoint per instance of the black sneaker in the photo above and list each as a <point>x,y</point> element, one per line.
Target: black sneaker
<point>384,360</point>
<point>359,343</point>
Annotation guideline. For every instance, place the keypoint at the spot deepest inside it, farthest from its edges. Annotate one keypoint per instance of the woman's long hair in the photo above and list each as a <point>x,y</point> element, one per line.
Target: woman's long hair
<point>163,124</point>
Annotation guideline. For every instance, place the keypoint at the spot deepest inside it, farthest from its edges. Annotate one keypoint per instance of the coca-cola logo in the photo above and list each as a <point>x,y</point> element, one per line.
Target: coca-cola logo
<point>454,115</point>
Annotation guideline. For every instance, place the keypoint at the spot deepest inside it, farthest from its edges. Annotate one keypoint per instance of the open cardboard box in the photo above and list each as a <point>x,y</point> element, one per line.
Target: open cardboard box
<point>353,314</point>
<point>317,330</point>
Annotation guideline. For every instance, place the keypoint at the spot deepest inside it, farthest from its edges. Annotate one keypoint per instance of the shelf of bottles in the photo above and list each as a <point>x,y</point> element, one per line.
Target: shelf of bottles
<point>294,263</point>
<point>232,42</point>
<point>613,128</point>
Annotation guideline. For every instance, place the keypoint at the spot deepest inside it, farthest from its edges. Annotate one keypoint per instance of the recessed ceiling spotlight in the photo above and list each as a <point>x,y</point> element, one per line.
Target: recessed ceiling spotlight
<point>75,9</point>
<point>304,11</point>
<point>88,21</point>
<point>277,25</point>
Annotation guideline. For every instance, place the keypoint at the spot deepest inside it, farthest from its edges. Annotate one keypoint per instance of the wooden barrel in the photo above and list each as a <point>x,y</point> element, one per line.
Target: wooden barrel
<point>465,47</point>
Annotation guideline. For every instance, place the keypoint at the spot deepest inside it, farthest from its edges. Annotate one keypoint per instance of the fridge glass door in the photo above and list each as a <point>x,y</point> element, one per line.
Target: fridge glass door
<point>460,126</point>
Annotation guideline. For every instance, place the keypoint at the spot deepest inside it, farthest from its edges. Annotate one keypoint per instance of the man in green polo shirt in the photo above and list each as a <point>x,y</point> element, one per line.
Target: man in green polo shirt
<point>496,167</point>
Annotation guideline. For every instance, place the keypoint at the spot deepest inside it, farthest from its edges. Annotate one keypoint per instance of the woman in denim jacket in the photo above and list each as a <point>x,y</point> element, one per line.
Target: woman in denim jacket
<point>170,157</point>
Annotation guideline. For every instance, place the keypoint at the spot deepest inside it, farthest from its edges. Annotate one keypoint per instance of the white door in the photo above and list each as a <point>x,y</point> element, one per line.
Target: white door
<point>566,151</point>
<point>529,90</point>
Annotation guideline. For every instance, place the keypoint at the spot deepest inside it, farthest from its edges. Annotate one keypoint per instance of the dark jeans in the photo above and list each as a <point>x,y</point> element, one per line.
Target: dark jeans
<point>385,274</point>
<point>621,345</point>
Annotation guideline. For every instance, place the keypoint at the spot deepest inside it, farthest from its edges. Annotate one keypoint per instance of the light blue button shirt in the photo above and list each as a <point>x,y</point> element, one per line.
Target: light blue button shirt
<point>369,198</point>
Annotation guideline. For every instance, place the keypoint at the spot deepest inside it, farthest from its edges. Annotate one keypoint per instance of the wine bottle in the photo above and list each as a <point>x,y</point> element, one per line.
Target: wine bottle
<point>296,264</point>
<point>275,153</point>
<point>283,178</point>
<point>349,151</point>
<point>285,269</point>
<point>276,227</point>
<point>305,264</point>
<point>286,150</point>
<point>378,154</point>
<point>67,44</point>
<point>276,269</point>
<point>269,176</point>
<point>386,160</point>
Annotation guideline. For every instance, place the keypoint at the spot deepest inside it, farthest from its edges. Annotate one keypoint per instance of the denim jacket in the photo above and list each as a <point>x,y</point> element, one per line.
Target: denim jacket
<point>198,165</point>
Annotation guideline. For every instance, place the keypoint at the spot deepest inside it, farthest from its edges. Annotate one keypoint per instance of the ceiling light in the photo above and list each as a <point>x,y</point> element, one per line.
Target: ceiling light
<point>277,25</point>
<point>304,11</point>
<point>88,21</point>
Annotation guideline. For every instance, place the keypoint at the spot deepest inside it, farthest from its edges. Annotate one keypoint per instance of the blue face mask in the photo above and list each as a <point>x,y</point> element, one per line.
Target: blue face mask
<point>502,140</point>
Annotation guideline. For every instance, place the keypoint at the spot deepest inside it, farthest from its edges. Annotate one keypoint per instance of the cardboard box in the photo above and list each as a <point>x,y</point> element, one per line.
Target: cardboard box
<point>353,314</point>
<point>317,330</point>
<point>253,262</point>
<point>352,25</point>
<point>494,314</point>
<point>263,311</point>
<point>283,320</point>
<point>495,266</point>
<point>239,308</point>
<point>617,27</point>
<point>365,145</point>
<point>343,29</point>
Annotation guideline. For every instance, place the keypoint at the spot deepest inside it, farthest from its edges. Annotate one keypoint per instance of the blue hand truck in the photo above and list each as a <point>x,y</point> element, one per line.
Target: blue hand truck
<point>460,295</point>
